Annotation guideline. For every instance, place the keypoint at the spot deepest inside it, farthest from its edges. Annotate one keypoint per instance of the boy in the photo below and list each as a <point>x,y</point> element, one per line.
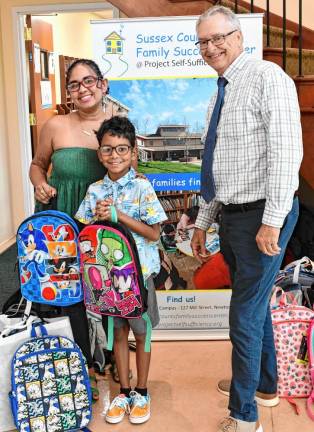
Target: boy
<point>139,210</point>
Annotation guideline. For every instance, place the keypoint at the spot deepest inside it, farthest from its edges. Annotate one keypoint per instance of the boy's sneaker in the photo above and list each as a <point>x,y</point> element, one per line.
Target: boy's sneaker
<point>230,424</point>
<point>140,408</point>
<point>118,408</point>
<point>263,399</point>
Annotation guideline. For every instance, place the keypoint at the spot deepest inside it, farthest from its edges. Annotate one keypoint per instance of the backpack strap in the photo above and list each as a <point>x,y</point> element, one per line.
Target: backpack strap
<point>148,337</point>
<point>110,333</point>
<point>281,298</point>
<point>294,405</point>
<point>310,346</point>
<point>42,329</point>
<point>148,332</point>
<point>310,402</point>
<point>113,214</point>
<point>28,308</point>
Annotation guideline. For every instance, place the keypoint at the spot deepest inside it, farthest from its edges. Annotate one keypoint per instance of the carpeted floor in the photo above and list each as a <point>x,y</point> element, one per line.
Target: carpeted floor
<point>9,282</point>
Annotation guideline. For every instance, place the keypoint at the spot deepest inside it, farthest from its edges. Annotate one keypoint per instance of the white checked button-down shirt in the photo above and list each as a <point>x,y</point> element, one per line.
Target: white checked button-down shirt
<point>259,141</point>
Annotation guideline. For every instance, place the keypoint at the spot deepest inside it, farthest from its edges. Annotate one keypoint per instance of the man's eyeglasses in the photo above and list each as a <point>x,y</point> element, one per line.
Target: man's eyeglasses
<point>216,40</point>
<point>87,82</point>
<point>121,149</point>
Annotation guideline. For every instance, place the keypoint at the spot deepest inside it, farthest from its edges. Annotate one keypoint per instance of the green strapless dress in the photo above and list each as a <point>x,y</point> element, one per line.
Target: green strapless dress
<point>73,170</point>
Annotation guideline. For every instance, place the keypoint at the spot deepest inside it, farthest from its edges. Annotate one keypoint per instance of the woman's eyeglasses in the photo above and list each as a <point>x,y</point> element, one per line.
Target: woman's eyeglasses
<point>121,149</point>
<point>87,82</point>
<point>215,40</point>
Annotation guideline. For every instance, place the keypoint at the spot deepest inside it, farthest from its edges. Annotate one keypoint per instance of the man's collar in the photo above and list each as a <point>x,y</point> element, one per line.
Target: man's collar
<point>130,175</point>
<point>237,65</point>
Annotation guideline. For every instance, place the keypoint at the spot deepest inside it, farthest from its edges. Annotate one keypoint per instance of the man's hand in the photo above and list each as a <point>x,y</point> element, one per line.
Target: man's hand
<point>267,240</point>
<point>198,245</point>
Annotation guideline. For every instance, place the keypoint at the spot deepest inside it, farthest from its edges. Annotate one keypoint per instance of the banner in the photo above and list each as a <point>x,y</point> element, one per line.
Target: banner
<point>158,78</point>
<point>160,47</point>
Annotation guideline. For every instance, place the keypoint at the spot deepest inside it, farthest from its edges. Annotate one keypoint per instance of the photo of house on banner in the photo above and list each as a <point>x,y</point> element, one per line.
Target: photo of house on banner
<point>170,150</point>
<point>158,79</point>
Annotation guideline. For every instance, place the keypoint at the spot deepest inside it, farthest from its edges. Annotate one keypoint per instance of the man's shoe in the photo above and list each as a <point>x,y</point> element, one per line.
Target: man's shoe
<point>140,408</point>
<point>263,399</point>
<point>118,408</point>
<point>230,424</point>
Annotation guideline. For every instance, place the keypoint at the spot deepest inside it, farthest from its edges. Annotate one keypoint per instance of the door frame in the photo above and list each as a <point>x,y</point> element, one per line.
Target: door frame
<point>21,79</point>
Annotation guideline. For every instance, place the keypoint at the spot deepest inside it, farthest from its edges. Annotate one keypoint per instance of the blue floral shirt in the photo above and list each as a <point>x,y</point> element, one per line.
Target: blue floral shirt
<point>135,197</point>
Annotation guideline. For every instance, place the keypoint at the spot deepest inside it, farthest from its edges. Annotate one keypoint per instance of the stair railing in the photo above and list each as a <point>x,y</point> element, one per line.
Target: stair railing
<point>284,30</point>
<point>284,35</point>
<point>300,38</point>
<point>267,25</point>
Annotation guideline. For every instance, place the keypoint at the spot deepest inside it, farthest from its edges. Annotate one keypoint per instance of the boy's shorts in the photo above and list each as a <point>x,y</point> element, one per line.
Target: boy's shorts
<point>138,325</point>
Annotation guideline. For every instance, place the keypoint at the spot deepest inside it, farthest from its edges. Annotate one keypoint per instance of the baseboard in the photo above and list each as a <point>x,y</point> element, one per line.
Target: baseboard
<point>6,244</point>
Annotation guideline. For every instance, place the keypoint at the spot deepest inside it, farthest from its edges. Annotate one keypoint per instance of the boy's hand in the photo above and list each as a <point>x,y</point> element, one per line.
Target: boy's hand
<point>102,210</point>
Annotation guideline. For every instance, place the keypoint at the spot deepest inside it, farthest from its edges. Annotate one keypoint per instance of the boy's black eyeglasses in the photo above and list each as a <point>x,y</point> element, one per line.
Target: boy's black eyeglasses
<point>121,149</point>
<point>87,82</point>
<point>215,40</point>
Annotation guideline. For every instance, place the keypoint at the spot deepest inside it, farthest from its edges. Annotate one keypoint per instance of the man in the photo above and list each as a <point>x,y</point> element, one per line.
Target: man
<point>255,158</point>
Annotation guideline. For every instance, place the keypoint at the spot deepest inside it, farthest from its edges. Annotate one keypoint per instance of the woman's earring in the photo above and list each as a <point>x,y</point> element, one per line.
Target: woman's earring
<point>104,101</point>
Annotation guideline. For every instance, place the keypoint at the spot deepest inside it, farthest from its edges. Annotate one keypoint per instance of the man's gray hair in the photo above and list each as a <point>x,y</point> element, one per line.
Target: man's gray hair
<point>226,12</point>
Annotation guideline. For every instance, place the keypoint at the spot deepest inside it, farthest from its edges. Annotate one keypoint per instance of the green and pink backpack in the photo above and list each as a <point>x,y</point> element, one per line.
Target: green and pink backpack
<point>112,277</point>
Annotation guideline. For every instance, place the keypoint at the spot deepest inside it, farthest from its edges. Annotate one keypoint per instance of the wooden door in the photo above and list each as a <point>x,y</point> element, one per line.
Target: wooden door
<point>42,94</point>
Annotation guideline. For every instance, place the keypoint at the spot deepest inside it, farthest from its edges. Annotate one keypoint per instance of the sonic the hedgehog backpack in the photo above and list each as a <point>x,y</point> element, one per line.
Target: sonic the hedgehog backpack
<point>50,386</point>
<point>112,277</point>
<point>48,259</point>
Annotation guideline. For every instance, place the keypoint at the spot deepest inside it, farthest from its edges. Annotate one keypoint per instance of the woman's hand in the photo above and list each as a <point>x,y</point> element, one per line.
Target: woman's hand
<point>103,210</point>
<point>44,192</point>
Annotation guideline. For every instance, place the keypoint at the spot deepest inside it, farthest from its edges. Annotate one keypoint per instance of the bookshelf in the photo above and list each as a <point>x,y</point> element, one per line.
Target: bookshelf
<point>66,105</point>
<point>64,63</point>
<point>175,203</point>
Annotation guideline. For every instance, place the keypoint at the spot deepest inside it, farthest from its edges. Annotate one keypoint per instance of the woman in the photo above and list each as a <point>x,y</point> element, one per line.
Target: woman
<point>69,144</point>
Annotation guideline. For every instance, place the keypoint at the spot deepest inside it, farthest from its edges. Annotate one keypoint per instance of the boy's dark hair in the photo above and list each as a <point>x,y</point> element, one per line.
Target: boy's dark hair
<point>85,62</point>
<point>117,126</point>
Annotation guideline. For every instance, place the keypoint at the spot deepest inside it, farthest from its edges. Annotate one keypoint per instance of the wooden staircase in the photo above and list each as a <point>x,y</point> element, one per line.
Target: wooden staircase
<point>304,84</point>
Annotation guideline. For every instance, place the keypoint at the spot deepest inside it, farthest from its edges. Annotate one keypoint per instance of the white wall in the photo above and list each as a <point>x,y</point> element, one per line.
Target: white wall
<point>6,234</point>
<point>292,10</point>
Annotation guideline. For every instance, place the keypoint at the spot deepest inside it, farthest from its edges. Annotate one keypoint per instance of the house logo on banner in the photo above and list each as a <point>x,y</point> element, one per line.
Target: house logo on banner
<point>113,56</point>
<point>158,78</point>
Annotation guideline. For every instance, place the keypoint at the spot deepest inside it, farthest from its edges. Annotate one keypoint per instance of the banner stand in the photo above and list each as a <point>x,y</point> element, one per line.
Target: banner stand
<point>158,79</point>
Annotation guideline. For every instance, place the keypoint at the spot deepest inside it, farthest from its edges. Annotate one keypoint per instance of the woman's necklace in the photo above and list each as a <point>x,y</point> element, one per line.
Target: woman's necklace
<point>88,132</point>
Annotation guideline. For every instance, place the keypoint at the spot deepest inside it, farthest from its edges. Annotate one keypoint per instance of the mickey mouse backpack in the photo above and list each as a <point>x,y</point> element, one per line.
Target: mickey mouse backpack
<point>112,278</point>
<point>48,259</point>
<point>50,389</point>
